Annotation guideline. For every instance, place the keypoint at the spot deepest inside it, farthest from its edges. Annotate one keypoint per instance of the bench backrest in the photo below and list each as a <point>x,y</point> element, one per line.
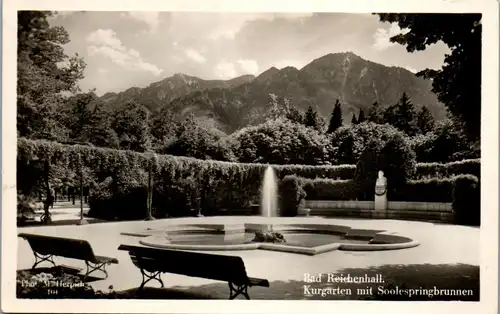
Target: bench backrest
<point>64,247</point>
<point>202,265</point>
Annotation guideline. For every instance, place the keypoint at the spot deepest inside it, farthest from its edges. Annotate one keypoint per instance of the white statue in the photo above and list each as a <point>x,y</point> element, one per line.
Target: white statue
<point>381,192</point>
<point>381,180</point>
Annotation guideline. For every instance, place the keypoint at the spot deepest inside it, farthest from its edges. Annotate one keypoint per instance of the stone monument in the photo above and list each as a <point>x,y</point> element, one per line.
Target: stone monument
<point>381,192</point>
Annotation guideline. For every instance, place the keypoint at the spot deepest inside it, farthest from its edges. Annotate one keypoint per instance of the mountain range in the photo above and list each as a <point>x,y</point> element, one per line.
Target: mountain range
<point>231,104</point>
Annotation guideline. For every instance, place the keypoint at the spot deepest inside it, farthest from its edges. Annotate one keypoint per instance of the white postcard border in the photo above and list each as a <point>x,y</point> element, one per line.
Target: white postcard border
<point>489,160</point>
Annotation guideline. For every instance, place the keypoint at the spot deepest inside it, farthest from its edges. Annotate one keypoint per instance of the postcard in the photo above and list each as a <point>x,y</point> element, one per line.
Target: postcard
<point>250,157</point>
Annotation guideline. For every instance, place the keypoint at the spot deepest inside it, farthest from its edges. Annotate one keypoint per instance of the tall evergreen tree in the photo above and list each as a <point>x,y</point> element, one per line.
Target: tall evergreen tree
<point>312,120</point>
<point>425,120</point>
<point>361,117</point>
<point>389,114</point>
<point>406,116</point>
<point>376,114</point>
<point>336,119</point>
<point>354,120</point>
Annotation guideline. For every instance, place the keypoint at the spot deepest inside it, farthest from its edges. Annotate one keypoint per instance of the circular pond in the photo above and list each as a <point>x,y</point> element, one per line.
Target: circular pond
<point>301,239</point>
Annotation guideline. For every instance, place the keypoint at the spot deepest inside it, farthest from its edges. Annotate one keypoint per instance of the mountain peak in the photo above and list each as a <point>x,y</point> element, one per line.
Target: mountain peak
<point>268,74</point>
<point>289,69</point>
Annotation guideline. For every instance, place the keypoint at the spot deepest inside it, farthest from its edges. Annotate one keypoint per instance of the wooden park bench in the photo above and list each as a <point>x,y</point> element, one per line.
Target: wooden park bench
<point>46,247</point>
<point>231,269</point>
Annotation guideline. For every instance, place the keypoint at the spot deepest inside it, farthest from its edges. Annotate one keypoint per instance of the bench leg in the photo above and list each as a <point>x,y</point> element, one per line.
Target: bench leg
<point>236,291</point>
<point>92,267</point>
<point>39,258</point>
<point>150,276</point>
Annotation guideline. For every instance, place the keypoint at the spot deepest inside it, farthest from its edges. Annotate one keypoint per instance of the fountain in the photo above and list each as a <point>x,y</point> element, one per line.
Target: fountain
<point>301,238</point>
<point>269,208</point>
<point>269,196</point>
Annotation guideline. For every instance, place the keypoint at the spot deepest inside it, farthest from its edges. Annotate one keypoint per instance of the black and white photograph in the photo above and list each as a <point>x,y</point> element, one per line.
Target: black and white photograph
<point>219,155</point>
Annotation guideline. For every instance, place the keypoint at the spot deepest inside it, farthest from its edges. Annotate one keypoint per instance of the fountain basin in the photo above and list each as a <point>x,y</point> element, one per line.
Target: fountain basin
<point>309,239</point>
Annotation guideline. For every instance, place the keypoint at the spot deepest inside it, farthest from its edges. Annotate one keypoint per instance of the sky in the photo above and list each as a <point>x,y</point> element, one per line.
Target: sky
<point>126,49</point>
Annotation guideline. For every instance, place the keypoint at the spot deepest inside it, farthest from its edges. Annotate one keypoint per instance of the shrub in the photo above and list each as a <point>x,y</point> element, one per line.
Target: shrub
<point>330,190</point>
<point>350,141</point>
<point>333,172</point>
<point>121,196</point>
<point>118,179</point>
<point>291,194</point>
<point>426,190</point>
<point>422,145</point>
<point>470,166</point>
<point>445,143</point>
<point>282,142</point>
<point>367,170</point>
<point>199,141</point>
<point>394,157</point>
<point>397,161</point>
<point>467,200</point>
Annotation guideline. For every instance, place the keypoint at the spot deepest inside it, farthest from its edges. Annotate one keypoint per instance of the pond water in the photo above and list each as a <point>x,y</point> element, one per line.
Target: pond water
<point>305,239</point>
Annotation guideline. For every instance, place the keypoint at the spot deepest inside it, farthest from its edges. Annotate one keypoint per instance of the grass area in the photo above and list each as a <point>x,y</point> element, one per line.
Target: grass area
<point>452,277</point>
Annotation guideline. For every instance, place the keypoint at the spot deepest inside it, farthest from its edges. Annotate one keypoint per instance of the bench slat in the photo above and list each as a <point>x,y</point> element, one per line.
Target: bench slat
<point>105,259</point>
<point>64,247</point>
<point>258,282</point>
<point>193,264</point>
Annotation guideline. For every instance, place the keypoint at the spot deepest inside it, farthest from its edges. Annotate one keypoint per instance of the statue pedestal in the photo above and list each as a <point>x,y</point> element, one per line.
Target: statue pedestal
<point>381,193</point>
<point>380,202</point>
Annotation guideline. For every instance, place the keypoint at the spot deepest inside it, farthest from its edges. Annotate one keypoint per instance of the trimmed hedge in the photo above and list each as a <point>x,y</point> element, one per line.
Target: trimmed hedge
<point>329,190</point>
<point>118,179</point>
<point>426,190</point>
<point>467,200</point>
<point>469,166</point>
<point>460,190</point>
<point>291,194</point>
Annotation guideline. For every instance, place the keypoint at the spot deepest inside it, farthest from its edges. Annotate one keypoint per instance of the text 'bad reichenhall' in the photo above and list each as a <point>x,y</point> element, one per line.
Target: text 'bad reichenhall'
<point>338,278</point>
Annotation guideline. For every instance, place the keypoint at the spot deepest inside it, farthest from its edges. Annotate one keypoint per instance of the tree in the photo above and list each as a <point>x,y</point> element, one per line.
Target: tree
<point>164,129</point>
<point>350,141</point>
<point>89,122</point>
<point>365,175</point>
<point>398,162</point>
<point>295,115</point>
<point>354,120</point>
<point>402,115</point>
<point>312,120</point>
<point>282,142</point>
<point>276,108</point>
<point>393,155</point>
<point>406,117</point>
<point>390,115</point>
<point>449,141</point>
<point>425,120</point>
<point>131,125</point>
<point>193,139</point>
<point>458,82</point>
<point>44,74</point>
<point>361,117</point>
<point>336,119</point>
<point>283,109</point>
<point>375,114</point>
